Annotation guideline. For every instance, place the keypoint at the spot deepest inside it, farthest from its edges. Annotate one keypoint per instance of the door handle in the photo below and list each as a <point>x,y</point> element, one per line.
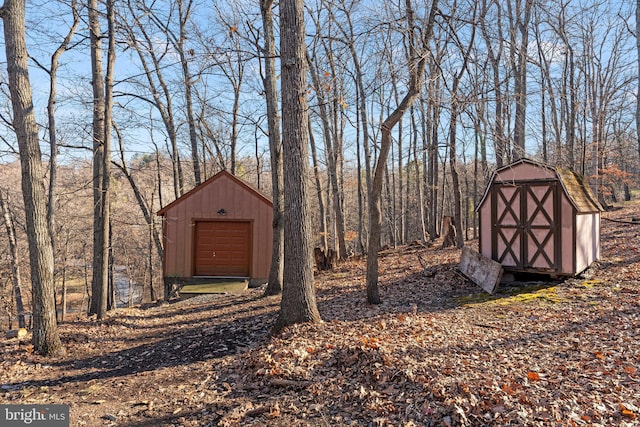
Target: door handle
<point>214,254</point>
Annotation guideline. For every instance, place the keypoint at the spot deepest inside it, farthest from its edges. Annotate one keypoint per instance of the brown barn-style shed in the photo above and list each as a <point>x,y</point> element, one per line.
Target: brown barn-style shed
<point>539,219</point>
<point>221,228</point>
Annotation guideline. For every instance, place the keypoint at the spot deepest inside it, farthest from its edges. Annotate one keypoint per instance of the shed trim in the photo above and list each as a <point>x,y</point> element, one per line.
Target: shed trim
<point>223,173</point>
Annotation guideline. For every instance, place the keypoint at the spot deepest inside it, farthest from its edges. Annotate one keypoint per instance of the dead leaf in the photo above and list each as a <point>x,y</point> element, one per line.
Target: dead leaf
<point>533,376</point>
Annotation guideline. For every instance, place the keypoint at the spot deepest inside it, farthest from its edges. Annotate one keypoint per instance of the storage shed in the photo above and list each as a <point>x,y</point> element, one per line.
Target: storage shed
<point>223,228</point>
<point>539,219</point>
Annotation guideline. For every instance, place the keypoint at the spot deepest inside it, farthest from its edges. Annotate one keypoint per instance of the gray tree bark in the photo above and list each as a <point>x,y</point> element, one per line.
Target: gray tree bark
<point>183,13</point>
<point>298,298</point>
<point>13,253</point>
<point>275,148</point>
<point>519,18</point>
<point>638,56</point>
<point>499,140</point>
<point>46,340</point>
<point>322,210</point>
<point>101,161</point>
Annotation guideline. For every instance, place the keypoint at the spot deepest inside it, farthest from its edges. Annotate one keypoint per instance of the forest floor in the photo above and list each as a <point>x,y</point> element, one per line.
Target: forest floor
<point>438,351</point>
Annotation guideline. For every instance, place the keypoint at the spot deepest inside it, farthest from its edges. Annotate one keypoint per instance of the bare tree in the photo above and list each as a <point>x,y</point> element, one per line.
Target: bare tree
<point>322,210</point>
<point>431,135</point>
<point>494,48</point>
<point>348,37</point>
<point>418,58</point>
<point>162,98</point>
<point>13,252</point>
<point>185,8</point>
<point>102,112</point>
<point>605,77</point>
<point>52,71</point>
<point>298,298</point>
<point>45,335</point>
<point>145,208</point>
<point>457,104</point>
<point>331,153</point>
<point>519,17</point>
<point>547,88</point>
<point>638,65</point>
<point>275,148</point>
<point>231,62</point>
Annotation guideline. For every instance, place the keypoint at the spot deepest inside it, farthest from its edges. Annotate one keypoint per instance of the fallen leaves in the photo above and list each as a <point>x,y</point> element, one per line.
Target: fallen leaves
<point>627,413</point>
<point>433,353</point>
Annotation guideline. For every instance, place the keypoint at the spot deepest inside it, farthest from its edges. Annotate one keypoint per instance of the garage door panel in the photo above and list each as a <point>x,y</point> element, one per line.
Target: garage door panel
<point>222,248</point>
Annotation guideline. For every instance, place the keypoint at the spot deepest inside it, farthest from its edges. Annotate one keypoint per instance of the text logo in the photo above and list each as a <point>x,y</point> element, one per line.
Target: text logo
<point>34,415</point>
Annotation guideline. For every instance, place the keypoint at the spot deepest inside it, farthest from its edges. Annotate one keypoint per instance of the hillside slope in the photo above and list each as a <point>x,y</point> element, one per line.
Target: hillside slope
<point>437,351</point>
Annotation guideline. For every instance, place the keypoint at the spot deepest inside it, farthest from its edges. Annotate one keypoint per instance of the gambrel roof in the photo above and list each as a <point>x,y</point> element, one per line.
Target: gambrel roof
<point>574,185</point>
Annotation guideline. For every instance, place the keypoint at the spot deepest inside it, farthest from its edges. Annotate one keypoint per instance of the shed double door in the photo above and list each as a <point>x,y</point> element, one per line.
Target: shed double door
<point>525,219</point>
<point>222,248</point>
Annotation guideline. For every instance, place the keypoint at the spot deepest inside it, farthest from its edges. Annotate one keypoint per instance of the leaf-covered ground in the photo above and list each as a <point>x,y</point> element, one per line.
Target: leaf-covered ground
<point>437,352</point>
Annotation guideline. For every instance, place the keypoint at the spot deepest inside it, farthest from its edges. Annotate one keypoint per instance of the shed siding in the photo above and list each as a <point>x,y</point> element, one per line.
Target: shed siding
<point>485,224</point>
<point>524,172</point>
<point>239,203</point>
<point>566,235</point>
<point>587,229</point>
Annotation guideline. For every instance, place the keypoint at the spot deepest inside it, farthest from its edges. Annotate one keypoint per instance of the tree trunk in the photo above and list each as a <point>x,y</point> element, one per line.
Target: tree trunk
<point>449,236</point>
<point>298,297</point>
<point>13,252</point>
<point>362,122</point>
<point>417,178</point>
<point>106,158</point>
<point>331,156</point>
<point>399,214</point>
<point>520,24</point>
<point>499,140</point>
<point>638,64</point>
<point>322,210</point>
<point>455,182</point>
<point>102,101</point>
<point>453,126</point>
<point>152,291</point>
<point>275,149</point>
<point>186,78</point>
<point>361,248</point>
<point>51,103</point>
<point>46,340</point>
<point>416,74</point>
<point>99,271</point>
<point>433,172</point>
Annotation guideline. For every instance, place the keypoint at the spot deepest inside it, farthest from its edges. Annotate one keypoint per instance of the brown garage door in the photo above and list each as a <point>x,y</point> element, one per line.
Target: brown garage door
<point>222,248</point>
